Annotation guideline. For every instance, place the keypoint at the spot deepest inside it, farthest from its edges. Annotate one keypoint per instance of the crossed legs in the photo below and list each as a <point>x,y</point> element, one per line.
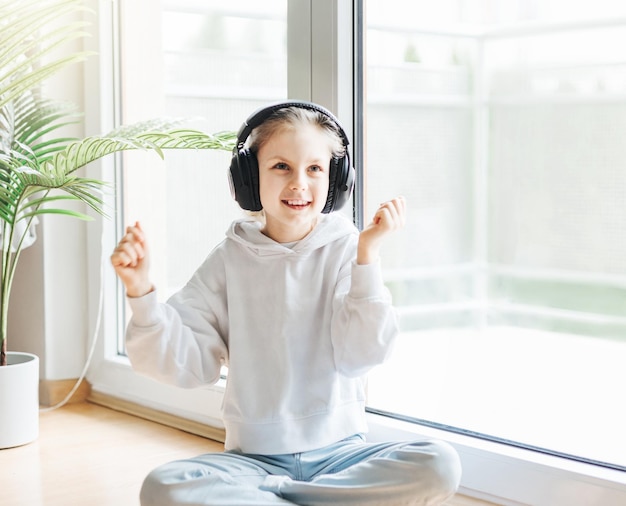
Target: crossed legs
<point>350,472</point>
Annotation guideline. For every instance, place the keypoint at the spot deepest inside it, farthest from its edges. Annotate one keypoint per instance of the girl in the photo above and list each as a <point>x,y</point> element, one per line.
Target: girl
<point>295,305</point>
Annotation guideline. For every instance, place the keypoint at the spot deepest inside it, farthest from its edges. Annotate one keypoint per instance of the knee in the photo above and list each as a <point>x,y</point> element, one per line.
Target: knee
<point>156,489</point>
<point>437,464</point>
<point>446,467</point>
<point>173,484</point>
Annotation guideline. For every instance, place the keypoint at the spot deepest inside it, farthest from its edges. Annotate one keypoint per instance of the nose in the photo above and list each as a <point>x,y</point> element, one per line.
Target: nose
<point>298,180</point>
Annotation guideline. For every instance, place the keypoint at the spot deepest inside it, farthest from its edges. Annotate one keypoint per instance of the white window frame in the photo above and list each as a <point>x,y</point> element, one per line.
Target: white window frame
<point>320,70</point>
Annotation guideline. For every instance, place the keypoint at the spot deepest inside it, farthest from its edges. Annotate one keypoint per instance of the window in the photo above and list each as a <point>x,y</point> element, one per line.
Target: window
<point>507,127</point>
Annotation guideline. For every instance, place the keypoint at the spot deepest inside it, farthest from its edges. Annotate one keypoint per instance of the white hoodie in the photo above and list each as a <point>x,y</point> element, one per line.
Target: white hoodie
<point>297,326</point>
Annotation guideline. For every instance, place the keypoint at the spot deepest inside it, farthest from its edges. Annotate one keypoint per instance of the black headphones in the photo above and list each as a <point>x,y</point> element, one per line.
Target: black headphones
<point>244,168</point>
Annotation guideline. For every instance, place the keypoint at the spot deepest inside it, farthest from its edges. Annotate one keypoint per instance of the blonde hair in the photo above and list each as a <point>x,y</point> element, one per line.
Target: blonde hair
<point>293,117</point>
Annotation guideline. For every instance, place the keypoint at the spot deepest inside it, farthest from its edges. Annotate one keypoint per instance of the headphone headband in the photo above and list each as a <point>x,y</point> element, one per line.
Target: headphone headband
<point>263,113</point>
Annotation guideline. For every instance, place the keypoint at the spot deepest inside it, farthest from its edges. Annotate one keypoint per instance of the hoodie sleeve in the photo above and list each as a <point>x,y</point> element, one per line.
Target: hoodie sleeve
<point>181,342</point>
<point>364,323</point>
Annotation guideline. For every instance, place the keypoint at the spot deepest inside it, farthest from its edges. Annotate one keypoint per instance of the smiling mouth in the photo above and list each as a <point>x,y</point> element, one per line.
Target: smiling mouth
<point>297,204</point>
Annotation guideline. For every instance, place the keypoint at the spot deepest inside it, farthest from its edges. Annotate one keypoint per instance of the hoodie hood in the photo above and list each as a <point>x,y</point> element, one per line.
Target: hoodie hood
<point>329,228</point>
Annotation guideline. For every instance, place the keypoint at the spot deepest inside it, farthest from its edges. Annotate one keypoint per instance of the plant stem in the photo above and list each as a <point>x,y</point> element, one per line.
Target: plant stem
<point>6,253</point>
<point>9,265</point>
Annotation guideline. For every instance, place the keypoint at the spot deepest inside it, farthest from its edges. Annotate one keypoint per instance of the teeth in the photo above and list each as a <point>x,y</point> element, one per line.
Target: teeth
<point>297,202</point>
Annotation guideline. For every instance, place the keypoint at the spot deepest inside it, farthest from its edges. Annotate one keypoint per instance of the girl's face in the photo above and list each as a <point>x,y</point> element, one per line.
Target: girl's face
<point>293,180</point>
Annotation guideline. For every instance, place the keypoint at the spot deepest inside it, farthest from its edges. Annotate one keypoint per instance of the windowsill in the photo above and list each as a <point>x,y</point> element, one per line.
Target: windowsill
<point>508,475</point>
<point>114,377</point>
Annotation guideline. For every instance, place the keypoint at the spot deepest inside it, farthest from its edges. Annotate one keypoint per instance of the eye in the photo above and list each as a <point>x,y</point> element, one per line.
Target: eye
<point>315,168</point>
<point>281,166</point>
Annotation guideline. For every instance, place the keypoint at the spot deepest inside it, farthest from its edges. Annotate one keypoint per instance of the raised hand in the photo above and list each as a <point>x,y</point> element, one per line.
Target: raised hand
<point>389,217</point>
<point>130,260</point>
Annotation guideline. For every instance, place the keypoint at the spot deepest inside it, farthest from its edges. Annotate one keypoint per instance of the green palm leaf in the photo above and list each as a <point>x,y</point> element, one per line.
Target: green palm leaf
<point>36,118</point>
<point>24,193</point>
<point>24,122</point>
<point>80,153</point>
<point>24,179</point>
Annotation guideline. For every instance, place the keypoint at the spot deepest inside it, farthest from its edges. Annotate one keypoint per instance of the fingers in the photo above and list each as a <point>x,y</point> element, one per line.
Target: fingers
<point>131,249</point>
<point>391,214</point>
<point>127,255</point>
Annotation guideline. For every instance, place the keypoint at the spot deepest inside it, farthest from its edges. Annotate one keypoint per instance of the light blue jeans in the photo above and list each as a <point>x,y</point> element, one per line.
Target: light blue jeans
<point>350,472</point>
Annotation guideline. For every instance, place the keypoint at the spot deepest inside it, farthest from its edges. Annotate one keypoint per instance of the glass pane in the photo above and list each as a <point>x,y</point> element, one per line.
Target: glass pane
<point>210,55</point>
<point>200,60</point>
<point>510,279</point>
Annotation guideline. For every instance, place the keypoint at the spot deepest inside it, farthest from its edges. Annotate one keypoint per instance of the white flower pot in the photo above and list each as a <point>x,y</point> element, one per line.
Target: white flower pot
<point>19,400</point>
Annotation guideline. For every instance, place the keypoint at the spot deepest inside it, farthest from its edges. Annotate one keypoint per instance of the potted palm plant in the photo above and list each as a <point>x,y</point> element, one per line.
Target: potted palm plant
<point>40,170</point>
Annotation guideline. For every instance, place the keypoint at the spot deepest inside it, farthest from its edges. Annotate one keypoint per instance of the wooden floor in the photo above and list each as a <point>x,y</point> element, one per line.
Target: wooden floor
<point>90,455</point>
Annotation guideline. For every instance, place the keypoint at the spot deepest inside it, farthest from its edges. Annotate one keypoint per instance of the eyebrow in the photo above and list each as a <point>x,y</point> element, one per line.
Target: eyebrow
<point>277,158</point>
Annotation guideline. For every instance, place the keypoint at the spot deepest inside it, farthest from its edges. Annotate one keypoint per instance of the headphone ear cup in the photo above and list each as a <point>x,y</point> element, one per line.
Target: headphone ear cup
<point>341,182</point>
<point>244,180</point>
